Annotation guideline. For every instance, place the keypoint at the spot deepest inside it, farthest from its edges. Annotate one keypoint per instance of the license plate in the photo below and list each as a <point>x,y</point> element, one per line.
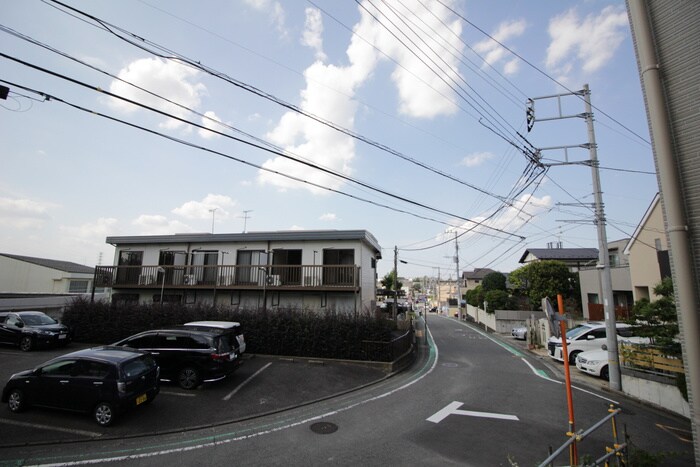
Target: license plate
<point>141,399</point>
<point>61,336</point>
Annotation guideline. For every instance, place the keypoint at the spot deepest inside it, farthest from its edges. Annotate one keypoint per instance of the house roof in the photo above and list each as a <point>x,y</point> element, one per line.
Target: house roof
<point>65,266</point>
<point>477,273</point>
<point>280,235</point>
<point>561,254</point>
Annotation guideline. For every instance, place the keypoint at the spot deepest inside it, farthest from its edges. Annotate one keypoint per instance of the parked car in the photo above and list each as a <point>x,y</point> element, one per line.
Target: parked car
<point>102,380</point>
<point>519,332</point>
<point>586,336</point>
<point>234,326</point>
<point>32,329</point>
<point>190,355</point>
<point>593,362</point>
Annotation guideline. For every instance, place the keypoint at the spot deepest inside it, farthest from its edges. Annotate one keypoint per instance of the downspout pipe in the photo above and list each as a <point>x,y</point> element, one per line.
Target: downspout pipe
<point>684,277</point>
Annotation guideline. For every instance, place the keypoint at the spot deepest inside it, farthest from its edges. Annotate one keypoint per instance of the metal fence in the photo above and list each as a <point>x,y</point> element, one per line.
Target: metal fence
<point>388,351</point>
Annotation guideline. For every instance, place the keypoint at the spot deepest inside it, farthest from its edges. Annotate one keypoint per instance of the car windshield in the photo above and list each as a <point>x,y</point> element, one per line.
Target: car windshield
<point>138,366</point>
<point>37,320</point>
<point>575,331</point>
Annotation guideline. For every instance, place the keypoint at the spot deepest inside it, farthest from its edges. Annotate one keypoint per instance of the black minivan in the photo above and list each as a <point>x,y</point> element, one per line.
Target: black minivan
<point>190,356</point>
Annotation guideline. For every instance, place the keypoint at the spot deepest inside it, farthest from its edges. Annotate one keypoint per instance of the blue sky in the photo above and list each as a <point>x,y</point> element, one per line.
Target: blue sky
<point>429,98</point>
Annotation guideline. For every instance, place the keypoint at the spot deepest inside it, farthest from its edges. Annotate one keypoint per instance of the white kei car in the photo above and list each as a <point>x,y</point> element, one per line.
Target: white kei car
<point>585,336</point>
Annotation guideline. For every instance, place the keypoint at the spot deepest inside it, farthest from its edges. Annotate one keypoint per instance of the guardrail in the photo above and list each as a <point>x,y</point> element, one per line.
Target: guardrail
<point>379,351</point>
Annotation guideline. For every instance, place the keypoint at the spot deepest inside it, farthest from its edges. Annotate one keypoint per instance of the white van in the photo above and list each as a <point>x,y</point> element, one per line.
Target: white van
<point>586,336</point>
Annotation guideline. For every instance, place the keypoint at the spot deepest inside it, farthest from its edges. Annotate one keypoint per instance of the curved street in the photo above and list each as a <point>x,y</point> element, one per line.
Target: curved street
<point>471,398</point>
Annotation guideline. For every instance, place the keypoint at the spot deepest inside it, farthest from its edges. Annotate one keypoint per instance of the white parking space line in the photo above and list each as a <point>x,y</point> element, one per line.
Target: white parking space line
<point>240,386</point>
<point>181,394</point>
<point>92,434</point>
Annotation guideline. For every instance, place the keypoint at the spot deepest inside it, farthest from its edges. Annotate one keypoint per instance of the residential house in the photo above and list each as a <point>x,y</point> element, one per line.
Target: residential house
<point>470,279</point>
<point>647,253</point>
<point>620,273</point>
<point>315,269</point>
<point>574,258</point>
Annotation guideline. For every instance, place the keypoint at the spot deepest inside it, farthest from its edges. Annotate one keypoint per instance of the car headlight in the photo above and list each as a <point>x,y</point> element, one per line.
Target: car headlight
<point>41,332</point>
<point>594,362</point>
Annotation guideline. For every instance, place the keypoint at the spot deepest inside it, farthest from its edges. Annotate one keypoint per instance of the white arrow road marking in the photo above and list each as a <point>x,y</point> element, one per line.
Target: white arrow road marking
<point>453,409</point>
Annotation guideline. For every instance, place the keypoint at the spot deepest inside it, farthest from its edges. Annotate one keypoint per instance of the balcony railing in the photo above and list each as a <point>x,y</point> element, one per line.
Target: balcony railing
<point>322,277</point>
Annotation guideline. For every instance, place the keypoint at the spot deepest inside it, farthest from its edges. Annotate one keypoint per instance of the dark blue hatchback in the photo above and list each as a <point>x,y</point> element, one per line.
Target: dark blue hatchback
<point>103,381</point>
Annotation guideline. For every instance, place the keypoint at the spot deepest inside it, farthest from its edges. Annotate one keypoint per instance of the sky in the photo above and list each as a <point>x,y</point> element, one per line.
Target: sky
<point>400,117</point>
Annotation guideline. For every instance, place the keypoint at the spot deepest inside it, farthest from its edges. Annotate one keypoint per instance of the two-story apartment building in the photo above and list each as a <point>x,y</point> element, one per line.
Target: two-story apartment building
<point>304,269</point>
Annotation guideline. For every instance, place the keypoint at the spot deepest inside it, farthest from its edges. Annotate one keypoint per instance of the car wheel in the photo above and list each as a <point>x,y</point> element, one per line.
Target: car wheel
<point>104,414</point>
<point>572,357</point>
<point>16,402</point>
<point>26,344</point>
<point>604,373</point>
<point>188,378</point>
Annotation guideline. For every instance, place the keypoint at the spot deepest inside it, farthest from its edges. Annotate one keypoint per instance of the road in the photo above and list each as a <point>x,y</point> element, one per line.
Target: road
<point>471,399</point>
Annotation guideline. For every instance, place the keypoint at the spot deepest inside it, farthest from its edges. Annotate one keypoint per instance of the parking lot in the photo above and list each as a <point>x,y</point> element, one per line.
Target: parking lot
<point>261,385</point>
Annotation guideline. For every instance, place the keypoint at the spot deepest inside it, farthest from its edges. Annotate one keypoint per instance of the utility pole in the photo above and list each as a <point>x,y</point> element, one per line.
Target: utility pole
<point>396,282</point>
<point>603,265</point>
<point>459,293</point>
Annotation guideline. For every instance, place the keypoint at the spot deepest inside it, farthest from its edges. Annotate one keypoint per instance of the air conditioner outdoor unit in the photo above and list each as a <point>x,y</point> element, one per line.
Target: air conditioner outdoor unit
<point>145,279</point>
<point>273,279</point>
<point>190,279</point>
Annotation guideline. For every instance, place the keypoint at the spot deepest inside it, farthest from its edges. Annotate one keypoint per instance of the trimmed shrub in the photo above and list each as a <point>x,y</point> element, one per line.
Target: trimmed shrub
<point>291,332</point>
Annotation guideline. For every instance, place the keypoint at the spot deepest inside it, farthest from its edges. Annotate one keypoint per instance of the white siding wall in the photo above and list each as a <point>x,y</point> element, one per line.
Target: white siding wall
<point>23,277</point>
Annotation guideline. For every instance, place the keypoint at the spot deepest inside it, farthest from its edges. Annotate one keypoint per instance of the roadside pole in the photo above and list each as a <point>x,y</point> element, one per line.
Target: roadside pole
<point>573,451</point>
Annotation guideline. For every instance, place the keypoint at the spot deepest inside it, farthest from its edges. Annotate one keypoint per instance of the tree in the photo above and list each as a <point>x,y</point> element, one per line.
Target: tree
<point>494,281</point>
<point>388,281</point>
<point>659,319</point>
<point>548,278</point>
<point>475,296</point>
<point>498,300</point>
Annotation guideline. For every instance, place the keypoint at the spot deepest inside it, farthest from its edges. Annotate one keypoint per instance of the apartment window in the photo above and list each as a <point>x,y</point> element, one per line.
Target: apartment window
<point>129,268</point>
<point>78,287</point>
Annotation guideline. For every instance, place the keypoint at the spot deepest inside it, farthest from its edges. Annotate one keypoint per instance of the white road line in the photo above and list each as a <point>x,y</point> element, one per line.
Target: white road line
<point>92,434</point>
<point>240,386</point>
<point>453,409</point>
<point>541,374</point>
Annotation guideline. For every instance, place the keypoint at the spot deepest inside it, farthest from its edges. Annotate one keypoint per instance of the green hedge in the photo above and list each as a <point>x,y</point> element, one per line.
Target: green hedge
<point>279,332</point>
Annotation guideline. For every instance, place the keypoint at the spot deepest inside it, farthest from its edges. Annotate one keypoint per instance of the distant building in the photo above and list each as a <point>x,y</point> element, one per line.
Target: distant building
<point>48,285</point>
<point>620,273</point>
<point>26,274</point>
<point>470,279</point>
<point>574,258</point>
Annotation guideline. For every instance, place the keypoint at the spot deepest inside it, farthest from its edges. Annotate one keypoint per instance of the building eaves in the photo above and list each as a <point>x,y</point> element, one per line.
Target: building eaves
<point>65,266</point>
<point>280,235</point>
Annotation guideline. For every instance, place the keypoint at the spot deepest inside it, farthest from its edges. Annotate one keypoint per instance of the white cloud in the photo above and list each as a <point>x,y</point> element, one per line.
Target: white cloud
<point>511,67</point>
<point>95,232</point>
<point>476,159</point>
<point>329,217</point>
<point>202,209</point>
<point>274,10</point>
<point>164,77</point>
<point>593,40</point>
<point>493,53</point>
<point>313,30</point>
<point>510,220</point>
<point>330,91</point>
<point>209,121</point>
<point>24,213</point>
